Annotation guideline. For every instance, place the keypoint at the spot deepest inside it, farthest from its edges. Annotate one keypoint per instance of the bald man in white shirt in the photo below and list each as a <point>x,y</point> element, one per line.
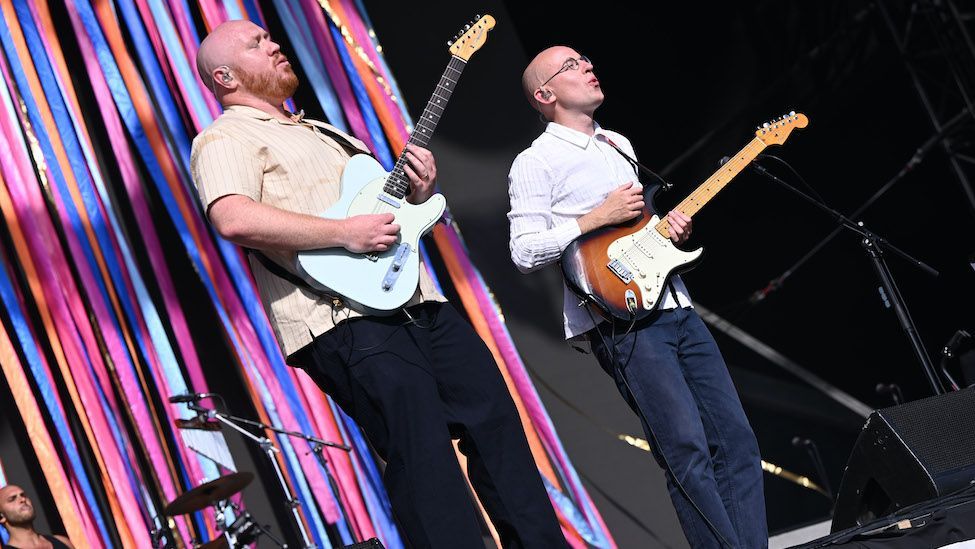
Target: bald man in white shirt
<point>571,181</point>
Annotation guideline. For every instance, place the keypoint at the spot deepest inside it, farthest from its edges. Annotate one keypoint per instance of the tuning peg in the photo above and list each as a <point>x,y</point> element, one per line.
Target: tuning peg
<point>792,113</point>
<point>765,125</point>
<point>477,17</point>
<point>466,27</point>
<point>450,43</point>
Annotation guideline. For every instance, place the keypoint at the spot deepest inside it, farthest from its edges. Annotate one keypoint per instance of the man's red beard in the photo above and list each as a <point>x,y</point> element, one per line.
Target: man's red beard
<point>270,85</point>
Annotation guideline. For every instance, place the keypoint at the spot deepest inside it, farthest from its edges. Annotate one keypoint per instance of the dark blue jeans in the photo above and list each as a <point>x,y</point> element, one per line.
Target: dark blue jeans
<point>671,373</point>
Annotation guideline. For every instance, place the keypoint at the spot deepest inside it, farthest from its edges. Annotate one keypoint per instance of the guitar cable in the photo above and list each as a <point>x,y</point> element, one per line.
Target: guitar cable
<point>618,367</point>
<point>348,328</point>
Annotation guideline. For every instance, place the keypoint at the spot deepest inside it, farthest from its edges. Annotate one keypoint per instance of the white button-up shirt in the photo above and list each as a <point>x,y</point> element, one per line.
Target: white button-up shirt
<point>562,176</point>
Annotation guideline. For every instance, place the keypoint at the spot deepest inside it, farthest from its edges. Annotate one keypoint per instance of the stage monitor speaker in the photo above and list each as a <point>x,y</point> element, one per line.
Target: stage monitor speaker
<point>906,454</point>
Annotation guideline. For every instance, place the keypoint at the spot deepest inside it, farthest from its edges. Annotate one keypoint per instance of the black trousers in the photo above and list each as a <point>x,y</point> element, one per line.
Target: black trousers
<point>412,386</point>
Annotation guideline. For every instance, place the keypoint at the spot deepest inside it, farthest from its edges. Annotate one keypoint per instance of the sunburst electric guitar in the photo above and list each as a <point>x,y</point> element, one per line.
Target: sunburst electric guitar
<point>623,269</point>
<point>382,282</point>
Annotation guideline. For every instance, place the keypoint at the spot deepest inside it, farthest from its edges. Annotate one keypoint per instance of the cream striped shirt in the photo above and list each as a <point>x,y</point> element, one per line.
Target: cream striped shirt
<point>289,165</point>
<point>562,176</point>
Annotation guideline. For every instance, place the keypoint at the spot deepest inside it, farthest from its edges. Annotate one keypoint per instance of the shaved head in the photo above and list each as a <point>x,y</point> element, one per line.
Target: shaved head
<point>220,48</point>
<point>241,65</point>
<point>544,65</point>
<point>15,506</point>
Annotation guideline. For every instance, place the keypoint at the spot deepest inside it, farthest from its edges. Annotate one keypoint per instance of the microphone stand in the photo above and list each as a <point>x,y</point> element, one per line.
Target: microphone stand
<point>813,451</point>
<point>268,447</point>
<point>914,161</point>
<point>876,246</point>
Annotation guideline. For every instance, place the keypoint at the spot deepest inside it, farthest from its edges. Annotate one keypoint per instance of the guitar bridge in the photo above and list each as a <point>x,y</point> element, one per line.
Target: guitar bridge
<point>620,270</point>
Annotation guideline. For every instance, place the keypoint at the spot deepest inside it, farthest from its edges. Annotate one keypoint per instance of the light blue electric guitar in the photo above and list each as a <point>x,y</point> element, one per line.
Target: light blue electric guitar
<point>382,282</point>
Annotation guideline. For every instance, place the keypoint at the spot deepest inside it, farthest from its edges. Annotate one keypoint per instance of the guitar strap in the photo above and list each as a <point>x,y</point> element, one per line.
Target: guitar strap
<point>666,186</point>
<point>281,272</point>
<point>338,137</point>
<point>638,167</point>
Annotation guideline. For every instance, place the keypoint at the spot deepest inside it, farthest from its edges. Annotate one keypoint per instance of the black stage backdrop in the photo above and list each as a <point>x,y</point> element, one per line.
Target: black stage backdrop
<point>688,84</point>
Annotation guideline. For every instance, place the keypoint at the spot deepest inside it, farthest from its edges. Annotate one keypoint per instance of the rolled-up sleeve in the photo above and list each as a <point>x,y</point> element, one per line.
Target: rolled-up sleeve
<point>222,165</point>
<point>534,241</point>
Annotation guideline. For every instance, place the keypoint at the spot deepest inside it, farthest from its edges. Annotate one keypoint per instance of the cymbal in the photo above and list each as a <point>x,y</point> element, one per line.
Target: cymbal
<point>208,493</point>
<point>199,424</point>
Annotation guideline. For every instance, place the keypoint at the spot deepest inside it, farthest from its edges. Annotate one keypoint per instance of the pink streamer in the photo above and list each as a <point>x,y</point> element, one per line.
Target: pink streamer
<point>361,36</point>
<point>517,372</point>
<point>40,232</point>
<point>173,76</point>
<point>182,20</point>
<point>336,70</point>
<point>340,461</point>
<point>11,166</point>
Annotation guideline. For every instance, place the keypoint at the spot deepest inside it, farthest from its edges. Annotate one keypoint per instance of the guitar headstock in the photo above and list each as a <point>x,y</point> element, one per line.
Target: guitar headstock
<point>470,38</point>
<point>778,130</point>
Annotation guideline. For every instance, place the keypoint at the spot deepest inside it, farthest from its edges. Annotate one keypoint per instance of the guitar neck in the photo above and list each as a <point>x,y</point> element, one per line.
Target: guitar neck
<point>398,184</point>
<point>712,185</point>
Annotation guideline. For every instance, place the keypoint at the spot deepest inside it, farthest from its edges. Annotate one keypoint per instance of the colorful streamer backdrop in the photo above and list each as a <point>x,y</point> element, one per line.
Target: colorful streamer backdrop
<point>100,102</point>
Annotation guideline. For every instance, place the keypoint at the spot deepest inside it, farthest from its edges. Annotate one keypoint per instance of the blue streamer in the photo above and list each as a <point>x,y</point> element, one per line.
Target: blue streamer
<point>76,159</point>
<point>21,326</point>
<point>232,9</point>
<point>380,145</point>
<point>312,64</point>
<point>370,483</point>
<point>253,13</point>
<point>167,31</point>
<point>158,86</point>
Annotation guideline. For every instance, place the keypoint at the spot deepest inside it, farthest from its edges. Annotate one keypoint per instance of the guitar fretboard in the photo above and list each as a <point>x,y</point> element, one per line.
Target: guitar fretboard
<point>398,184</point>
<point>718,180</point>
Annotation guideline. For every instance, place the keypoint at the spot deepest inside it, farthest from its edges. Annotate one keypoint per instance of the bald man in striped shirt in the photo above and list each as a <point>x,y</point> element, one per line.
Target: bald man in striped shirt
<point>412,381</point>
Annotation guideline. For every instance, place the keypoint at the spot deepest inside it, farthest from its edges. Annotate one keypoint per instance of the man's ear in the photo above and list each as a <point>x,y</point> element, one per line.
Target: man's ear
<point>222,76</point>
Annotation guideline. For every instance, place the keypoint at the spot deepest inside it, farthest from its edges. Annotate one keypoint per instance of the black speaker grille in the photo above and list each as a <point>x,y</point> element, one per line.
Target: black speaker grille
<point>939,430</point>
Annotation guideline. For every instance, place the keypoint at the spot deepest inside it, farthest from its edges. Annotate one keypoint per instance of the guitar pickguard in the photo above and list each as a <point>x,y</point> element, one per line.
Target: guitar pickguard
<point>648,257</point>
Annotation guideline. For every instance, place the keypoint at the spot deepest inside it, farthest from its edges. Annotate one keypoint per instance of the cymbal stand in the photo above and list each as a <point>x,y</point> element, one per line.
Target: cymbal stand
<point>244,530</point>
<point>161,534</point>
<point>269,449</point>
<point>318,448</point>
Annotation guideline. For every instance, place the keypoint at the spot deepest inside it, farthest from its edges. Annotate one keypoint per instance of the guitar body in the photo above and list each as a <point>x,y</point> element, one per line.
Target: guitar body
<point>379,283</point>
<point>624,269</point>
<point>374,283</point>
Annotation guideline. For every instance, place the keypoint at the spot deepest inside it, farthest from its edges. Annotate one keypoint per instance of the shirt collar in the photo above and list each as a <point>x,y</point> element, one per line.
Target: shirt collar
<point>253,112</point>
<point>574,137</point>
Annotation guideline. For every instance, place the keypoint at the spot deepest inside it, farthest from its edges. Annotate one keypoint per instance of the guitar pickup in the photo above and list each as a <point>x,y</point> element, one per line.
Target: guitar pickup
<point>399,259</point>
<point>620,270</point>
<point>389,200</point>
